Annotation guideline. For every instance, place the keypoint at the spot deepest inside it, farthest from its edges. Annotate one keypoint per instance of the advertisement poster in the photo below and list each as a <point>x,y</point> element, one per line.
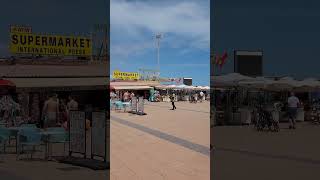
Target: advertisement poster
<point>77,132</point>
<point>141,105</point>
<point>134,104</point>
<point>99,136</point>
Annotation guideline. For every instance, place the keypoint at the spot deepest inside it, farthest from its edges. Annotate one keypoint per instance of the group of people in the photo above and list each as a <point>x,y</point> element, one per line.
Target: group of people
<point>127,96</point>
<point>195,97</point>
<point>55,111</point>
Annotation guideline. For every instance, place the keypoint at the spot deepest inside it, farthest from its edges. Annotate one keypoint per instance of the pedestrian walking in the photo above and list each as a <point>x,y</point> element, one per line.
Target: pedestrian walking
<point>293,103</point>
<point>172,102</point>
<point>201,96</point>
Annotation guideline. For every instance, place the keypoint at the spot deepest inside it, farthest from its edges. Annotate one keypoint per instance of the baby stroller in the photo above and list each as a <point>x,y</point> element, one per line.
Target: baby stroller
<point>268,119</point>
<point>276,116</point>
<point>315,112</point>
<point>263,119</point>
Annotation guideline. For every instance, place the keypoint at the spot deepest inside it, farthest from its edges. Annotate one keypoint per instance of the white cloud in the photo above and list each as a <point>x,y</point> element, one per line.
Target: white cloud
<point>184,24</point>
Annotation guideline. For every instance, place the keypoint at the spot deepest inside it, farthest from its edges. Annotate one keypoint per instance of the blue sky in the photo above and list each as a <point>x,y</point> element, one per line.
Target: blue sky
<point>286,30</point>
<point>185,47</point>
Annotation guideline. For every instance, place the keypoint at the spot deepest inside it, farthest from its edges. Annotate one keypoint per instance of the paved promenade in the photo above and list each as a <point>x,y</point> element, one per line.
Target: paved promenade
<point>162,145</point>
<point>243,153</point>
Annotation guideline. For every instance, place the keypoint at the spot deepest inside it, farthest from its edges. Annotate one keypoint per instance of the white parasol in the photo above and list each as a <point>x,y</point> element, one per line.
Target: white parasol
<point>229,80</point>
<point>284,84</point>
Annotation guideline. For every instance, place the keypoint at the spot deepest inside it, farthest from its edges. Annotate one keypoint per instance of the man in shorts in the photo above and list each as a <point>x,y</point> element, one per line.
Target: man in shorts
<point>293,103</point>
<point>50,111</point>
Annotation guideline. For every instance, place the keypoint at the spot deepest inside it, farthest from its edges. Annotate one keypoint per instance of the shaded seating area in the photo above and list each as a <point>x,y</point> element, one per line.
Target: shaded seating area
<point>29,139</point>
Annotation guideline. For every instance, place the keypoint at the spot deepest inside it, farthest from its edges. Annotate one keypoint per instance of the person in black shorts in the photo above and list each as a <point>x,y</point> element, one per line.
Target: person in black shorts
<point>172,102</point>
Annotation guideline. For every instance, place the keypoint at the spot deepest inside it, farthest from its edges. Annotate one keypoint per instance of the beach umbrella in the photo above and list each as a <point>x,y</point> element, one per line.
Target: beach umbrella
<point>256,83</point>
<point>229,80</point>
<point>172,86</point>
<point>182,86</point>
<point>309,84</point>
<point>284,84</point>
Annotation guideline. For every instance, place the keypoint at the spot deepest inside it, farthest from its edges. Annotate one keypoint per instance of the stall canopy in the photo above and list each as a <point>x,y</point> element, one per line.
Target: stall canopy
<point>132,87</point>
<point>84,83</point>
<point>231,79</point>
<point>286,83</point>
<point>283,84</point>
<point>256,83</point>
<point>309,84</point>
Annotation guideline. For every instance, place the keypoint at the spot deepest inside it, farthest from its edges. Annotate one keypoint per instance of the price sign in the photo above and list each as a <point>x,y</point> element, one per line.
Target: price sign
<point>99,136</point>
<point>134,104</point>
<point>141,105</point>
<point>77,132</point>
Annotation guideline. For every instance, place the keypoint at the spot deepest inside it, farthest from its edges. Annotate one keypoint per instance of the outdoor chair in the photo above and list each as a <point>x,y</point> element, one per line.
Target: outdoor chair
<point>29,137</point>
<point>111,105</point>
<point>57,136</point>
<point>4,137</point>
<point>119,105</point>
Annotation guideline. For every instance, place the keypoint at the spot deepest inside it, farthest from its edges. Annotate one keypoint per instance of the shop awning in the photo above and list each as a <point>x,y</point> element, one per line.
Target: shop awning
<point>89,83</point>
<point>132,87</point>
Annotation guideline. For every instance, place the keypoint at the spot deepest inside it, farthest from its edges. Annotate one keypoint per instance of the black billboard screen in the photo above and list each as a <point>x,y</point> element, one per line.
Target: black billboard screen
<point>187,81</point>
<point>248,63</point>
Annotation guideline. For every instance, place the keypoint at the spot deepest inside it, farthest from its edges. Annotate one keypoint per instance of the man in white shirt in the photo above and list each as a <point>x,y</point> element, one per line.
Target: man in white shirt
<point>293,103</point>
<point>201,96</point>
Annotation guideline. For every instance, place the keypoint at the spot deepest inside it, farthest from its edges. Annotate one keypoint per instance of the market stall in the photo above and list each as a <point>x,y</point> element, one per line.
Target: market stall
<point>239,95</point>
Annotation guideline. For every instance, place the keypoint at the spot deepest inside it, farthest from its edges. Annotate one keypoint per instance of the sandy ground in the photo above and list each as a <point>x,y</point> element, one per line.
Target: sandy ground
<point>243,153</point>
<point>163,144</point>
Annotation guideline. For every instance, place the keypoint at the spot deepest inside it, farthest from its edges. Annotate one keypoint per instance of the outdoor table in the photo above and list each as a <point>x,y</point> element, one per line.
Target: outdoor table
<point>14,132</point>
<point>45,136</point>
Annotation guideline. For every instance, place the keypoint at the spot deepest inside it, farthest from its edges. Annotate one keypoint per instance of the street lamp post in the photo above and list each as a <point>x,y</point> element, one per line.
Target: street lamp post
<point>158,37</point>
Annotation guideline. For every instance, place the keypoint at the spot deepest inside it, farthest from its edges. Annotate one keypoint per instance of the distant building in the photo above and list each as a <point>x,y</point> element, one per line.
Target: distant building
<point>187,81</point>
<point>249,63</point>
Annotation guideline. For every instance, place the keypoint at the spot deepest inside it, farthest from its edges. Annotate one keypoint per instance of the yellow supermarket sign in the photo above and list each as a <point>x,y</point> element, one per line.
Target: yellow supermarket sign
<point>126,75</point>
<point>27,43</point>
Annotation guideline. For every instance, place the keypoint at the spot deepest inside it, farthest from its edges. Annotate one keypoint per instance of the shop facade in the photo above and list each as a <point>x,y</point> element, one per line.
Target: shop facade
<point>35,83</point>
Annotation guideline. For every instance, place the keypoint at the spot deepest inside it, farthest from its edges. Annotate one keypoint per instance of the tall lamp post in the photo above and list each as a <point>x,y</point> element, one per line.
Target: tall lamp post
<point>158,38</point>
